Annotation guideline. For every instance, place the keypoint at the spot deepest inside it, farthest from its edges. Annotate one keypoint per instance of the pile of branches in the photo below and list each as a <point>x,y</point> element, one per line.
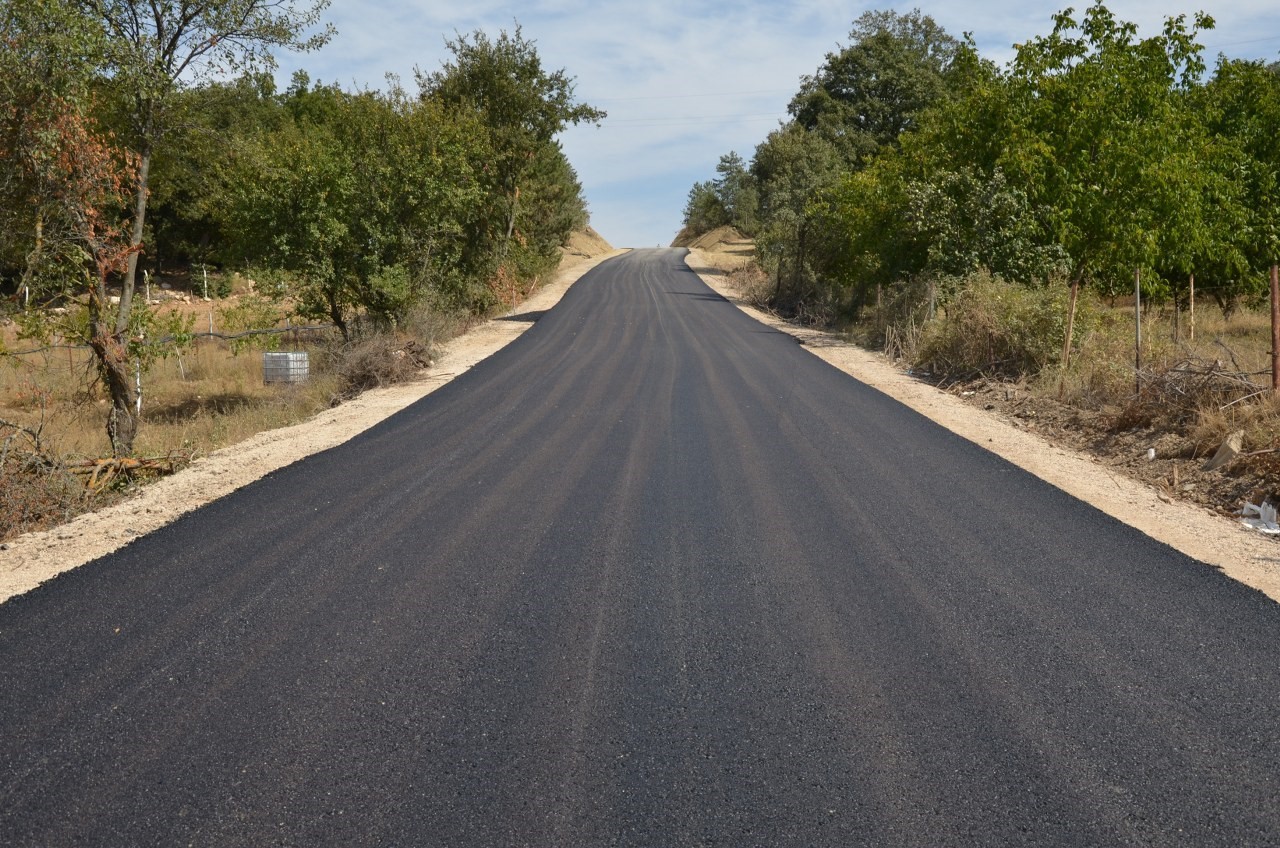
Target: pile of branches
<point>1194,385</point>
<point>100,475</point>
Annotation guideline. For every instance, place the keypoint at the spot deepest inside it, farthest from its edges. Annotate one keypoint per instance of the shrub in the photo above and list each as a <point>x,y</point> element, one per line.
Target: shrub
<point>993,327</point>
<point>378,360</point>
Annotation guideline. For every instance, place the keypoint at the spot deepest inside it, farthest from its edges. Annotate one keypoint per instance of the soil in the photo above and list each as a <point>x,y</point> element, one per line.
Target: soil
<point>1175,471</point>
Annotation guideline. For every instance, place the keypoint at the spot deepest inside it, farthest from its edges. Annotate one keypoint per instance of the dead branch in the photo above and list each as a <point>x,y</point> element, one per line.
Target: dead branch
<point>103,473</point>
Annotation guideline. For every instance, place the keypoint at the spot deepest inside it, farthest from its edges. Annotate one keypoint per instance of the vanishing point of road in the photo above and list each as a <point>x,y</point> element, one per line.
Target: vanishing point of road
<point>652,575</point>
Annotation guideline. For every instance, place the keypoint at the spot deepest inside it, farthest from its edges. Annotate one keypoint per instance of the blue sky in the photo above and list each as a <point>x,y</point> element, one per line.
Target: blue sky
<point>684,82</point>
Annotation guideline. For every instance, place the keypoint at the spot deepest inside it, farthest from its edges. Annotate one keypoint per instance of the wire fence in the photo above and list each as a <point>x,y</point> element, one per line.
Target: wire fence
<point>167,340</point>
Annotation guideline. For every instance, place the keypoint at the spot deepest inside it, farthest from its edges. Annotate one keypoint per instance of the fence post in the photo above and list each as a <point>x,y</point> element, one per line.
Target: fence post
<point>1191,311</point>
<point>1275,328</point>
<point>1137,336</point>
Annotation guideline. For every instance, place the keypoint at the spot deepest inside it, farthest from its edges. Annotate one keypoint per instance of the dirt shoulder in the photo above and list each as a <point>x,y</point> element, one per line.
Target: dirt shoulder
<point>1241,553</point>
<point>29,560</point>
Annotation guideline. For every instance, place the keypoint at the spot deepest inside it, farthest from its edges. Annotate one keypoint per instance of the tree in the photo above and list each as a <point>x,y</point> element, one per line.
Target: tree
<point>191,177</point>
<point>1106,114</point>
<point>1241,109</point>
<point>704,211</point>
<point>365,198</point>
<point>150,51</point>
<point>871,92</point>
<point>790,168</point>
<point>502,82</point>
<point>736,190</point>
<point>65,172</point>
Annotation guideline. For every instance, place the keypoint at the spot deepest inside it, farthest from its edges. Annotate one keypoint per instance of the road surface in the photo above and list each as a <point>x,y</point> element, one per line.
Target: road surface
<point>650,576</point>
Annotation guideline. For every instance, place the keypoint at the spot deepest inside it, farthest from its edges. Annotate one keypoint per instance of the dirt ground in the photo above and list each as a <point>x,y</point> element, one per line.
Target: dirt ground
<point>1045,442</point>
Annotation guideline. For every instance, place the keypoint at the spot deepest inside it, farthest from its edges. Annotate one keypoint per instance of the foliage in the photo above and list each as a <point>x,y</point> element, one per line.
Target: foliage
<point>500,85</point>
<point>365,197</point>
<point>997,328</point>
<point>251,314</point>
<point>866,96</point>
<point>704,211</point>
<point>730,199</point>
<point>1093,154</point>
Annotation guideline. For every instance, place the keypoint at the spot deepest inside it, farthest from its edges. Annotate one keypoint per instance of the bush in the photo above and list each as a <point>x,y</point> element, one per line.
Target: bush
<point>35,493</point>
<point>376,361</point>
<point>997,328</point>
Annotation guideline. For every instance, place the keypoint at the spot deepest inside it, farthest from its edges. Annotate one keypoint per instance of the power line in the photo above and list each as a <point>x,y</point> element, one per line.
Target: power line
<point>676,120</point>
<point>688,96</point>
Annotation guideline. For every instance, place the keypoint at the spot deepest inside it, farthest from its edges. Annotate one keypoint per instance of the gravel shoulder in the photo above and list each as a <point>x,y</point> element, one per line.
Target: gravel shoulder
<point>29,560</point>
<point>1239,552</point>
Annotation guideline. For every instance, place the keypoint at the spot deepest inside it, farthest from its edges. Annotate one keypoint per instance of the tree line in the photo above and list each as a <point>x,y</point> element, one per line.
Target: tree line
<point>138,136</point>
<point>1092,155</point>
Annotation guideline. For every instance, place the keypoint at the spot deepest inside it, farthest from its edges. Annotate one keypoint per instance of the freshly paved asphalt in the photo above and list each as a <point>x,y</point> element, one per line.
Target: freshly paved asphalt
<point>653,576</point>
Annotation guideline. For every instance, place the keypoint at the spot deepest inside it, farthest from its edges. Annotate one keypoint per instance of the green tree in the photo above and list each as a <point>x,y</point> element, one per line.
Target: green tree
<point>1106,114</point>
<point>64,172</point>
<point>152,50</point>
<point>192,173</point>
<point>869,93</point>
<point>502,83</point>
<point>366,199</point>
<point>790,168</point>
<point>704,210</point>
<point>736,190</point>
<point>1241,109</point>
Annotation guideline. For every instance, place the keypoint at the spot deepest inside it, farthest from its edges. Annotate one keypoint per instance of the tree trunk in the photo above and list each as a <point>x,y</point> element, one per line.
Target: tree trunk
<point>113,365</point>
<point>335,315</point>
<point>1071,322</point>
<point>135,241</point>
<point>511,214</point>
<point>33,258</point>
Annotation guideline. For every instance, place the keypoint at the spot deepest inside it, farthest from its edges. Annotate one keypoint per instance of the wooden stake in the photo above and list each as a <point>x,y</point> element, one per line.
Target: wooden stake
<point>1191,311</point>
<point>1137,325</point>
<point>1275,328</point>
<point>1071,322</point>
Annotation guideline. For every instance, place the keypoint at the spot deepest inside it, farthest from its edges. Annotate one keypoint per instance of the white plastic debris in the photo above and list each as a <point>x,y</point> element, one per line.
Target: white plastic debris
<point>1261,518</point>
<point>1151,454</point>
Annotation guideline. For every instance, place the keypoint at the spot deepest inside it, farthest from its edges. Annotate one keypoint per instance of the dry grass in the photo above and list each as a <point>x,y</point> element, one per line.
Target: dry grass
<point>202,400</point>
<point>1199,390</point>
<point>53,413</point>
<point>1203,389</point>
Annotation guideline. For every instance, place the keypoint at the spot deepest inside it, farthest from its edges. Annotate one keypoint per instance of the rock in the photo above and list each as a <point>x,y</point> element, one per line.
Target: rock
<point>1228,451</point>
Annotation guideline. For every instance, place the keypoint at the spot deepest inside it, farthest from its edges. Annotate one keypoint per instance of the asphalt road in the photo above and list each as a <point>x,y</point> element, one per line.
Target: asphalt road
<point>654,576</point>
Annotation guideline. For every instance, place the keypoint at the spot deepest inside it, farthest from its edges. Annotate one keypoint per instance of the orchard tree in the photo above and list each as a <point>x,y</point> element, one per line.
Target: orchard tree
<point>1106,114</point>
<point>1241,105</point>
<point>60,168</point>
<point>46,54</point>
